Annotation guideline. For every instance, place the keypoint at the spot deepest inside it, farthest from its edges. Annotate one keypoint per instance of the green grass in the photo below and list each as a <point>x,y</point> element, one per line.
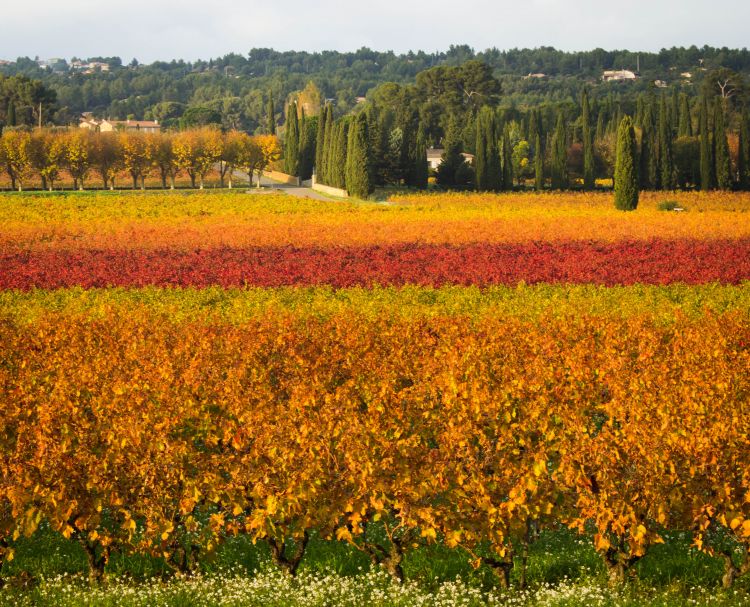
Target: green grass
<point>563,570</point>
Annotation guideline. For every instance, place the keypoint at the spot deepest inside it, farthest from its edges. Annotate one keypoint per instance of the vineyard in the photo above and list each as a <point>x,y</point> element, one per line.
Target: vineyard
<point>460,375</point>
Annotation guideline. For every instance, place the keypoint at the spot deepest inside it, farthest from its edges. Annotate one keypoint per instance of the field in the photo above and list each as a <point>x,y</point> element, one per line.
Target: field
<point>214,398</point>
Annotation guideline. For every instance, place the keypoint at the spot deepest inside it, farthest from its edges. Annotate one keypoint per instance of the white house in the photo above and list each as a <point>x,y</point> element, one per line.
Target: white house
<point>435,157</point>
<point>107,126</point>
<point>615,75</point>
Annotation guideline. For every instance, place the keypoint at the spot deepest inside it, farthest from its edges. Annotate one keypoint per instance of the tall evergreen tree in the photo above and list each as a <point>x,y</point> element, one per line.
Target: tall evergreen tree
<point>707,160</point>
<point>558,168</point>
<point>421,168</point>
<point>648,160</point>
<point>320,144</point>
<point>291,141</point>
<point>339,156</point>
<point>538,164</point>
<point>666,160</point>
<point>743,159</point>
<point>507,160</point>
<point>270,116</point>
<point>330,150</point>
<point>358,177</point>
<point>452,161</point>
<point>685,128</point>
<point>600,126</point>
<point>10,114</point>
<point>308,137</point>
<point>721,147</point>
<point>674,112</point>
<point>488,176</point>
<point>626,169</point>
<point>588,143</point>
<point>638,120</point>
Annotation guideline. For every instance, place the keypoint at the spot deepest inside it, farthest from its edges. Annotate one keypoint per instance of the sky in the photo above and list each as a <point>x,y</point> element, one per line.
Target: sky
<point>150,30</point>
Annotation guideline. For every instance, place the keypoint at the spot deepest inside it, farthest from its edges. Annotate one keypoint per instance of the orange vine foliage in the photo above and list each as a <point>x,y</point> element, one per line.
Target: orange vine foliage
<point>130,431</point>
<point>178,220</point>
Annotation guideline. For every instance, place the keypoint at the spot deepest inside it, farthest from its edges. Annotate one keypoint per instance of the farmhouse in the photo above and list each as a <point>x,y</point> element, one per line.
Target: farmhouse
<point>615,75</point>
<point>107,126</point>
<point>435,157</point>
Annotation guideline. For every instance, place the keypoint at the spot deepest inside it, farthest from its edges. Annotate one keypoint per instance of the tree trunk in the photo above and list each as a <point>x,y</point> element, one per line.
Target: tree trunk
<point>135,181</point>
<point>289,563</point>
<point>393,563</point>
<point>143,182</point>
<point>163,180</point>
<point>97,562</point>
<point>106,182</point>
<point>44,182</point>
<point>200,181</point>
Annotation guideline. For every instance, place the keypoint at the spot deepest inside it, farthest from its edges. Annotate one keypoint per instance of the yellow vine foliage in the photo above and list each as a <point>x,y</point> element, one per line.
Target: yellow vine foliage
<point>128,429</point>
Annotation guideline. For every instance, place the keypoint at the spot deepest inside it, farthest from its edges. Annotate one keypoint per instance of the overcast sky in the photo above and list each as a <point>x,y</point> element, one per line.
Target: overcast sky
<point>190,29</point>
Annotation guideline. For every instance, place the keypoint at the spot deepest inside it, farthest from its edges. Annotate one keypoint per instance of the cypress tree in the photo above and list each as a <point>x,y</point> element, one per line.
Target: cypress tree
<point>666,161</point>
<point>307,138</point>
<point>358,181</point>
<point>488,175</point>
<point>330,149</point>
<point>453,159</point>
<point>649,174</point>
<point>685,128</point>
<point>707,161</point>
<point>270,116</point>
<point>421,168</point>
<point>626,170</point>
<point>507,158</point>
<point>674,112</point>
<point>558,170</point>
<point>600,126</point>
<point>723,164</point>
<point>291,140</point>
<point>743,160</point>
<point>588,143</point>
<point>340,156</point>
<point>638,110</point>
<point>320,143</point>
<point>10,115</point>
<point>538,164</point>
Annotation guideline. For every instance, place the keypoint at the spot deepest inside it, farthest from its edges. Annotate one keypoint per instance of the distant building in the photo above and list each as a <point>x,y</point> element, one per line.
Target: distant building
<point>5,62</point>
<point>537,75</point>
<point>89,67</point>
<point>108,126</point>
<point>360,99</point>
<point>616,75</point>
<point>660,84</point>
<point>687,75</point>
<point>435,157</point>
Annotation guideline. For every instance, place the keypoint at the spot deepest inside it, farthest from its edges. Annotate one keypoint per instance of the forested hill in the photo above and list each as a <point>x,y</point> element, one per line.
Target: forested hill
<point>234,89</point>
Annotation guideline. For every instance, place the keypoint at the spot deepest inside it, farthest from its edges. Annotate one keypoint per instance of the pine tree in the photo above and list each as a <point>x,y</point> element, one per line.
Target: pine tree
<point>707,160</point>
<point>666,161</point>
<point>10,116</point>
<point>588,143</point>
<point>488,176</point>
<point>291,140</point>
<point>723,163</point>
<point>358,177</point>
<point>538,164</point>
<point>743,159</point>
<point>626,170</point>
<point>507,158</point>
<point>685,128</point>
<point>558,169</point>
<point>320,143</point>
<point>638,110</point>
<point>270,116</point>
<point>674,112</point>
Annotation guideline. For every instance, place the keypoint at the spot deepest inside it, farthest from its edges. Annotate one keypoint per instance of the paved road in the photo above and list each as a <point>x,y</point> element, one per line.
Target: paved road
<point>292,190</point>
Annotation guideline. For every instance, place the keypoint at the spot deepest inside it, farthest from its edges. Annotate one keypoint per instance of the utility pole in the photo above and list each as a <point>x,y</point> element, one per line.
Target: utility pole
<point>40,115</point>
